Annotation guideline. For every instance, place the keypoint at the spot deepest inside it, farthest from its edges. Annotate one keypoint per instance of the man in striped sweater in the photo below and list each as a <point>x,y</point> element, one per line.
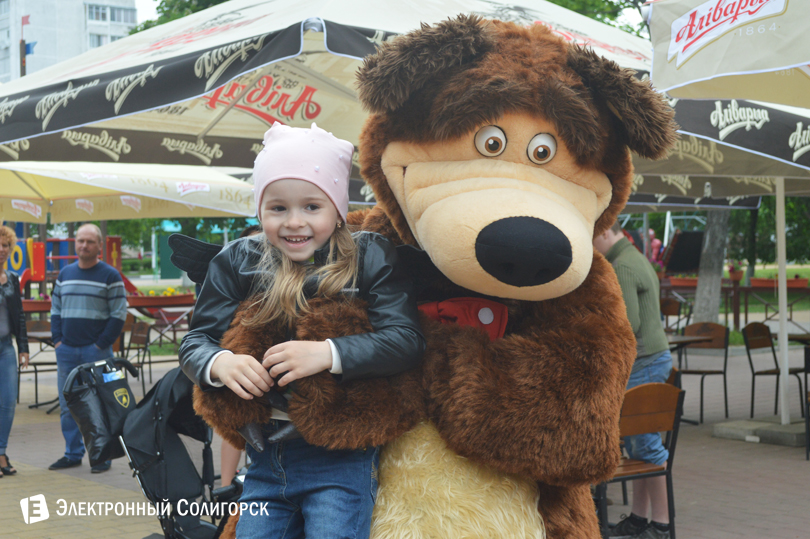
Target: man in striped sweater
<point>88,309</point>
<point>641,292</point>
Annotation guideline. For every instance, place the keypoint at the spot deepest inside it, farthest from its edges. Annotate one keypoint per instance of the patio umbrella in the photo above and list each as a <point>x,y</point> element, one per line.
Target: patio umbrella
<point>97,191</point>
<point>203,89</point>
<point>732,49</point>
<point>753,49</point>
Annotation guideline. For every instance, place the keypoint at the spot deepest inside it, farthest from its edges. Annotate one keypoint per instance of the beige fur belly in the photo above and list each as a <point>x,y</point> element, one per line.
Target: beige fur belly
<point>428,492</point>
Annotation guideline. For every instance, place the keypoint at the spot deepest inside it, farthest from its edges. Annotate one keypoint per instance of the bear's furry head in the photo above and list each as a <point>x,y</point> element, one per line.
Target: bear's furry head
<point>502,151</point>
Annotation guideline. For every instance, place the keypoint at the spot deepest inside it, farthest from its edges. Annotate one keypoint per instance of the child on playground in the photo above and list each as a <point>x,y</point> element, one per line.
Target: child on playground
<point>301,180</point>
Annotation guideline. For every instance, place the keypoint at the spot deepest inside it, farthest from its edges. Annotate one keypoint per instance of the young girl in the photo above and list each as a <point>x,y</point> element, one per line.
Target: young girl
<point>301,183</point>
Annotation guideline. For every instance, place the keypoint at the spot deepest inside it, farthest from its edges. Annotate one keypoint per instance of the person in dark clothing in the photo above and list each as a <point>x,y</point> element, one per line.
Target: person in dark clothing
<point>301,186</point>
<point>12,326</point>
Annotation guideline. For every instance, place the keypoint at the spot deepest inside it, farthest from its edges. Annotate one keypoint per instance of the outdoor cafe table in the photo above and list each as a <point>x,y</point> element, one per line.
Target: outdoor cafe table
<point>678,343</point>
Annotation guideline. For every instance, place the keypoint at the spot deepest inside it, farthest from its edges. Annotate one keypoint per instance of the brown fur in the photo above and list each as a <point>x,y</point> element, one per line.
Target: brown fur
<point>543,401</point>
<point>330,414</point>
<point>524,69</point>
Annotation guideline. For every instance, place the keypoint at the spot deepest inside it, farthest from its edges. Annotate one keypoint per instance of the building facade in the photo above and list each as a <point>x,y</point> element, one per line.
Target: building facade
<point>61,29</point>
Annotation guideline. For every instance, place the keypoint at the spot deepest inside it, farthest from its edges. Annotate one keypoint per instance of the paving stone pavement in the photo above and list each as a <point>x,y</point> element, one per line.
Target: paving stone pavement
<point>723,488</point>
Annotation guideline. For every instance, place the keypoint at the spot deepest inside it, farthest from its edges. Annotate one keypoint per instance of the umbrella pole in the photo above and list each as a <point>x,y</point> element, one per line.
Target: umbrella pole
<point>781,256</point>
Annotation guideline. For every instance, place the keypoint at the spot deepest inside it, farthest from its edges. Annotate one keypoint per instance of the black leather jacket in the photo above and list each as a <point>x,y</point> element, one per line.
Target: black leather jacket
<point>395,346</point>
<point>16,316</point>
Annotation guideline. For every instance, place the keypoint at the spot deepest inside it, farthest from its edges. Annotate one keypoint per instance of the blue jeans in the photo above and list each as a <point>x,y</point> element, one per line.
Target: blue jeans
<point>301,490</point>
<point>67,359</point>
<point>8,390</point>
<point>648,447</point>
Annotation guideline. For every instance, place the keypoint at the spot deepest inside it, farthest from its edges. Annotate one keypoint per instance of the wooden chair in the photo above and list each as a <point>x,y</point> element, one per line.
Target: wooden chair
<point>671,307</point>
<point>806,404</point>
<point>648,408</point>
<point>757,336</point>
<point>139,342</point>
<point>40,327</point>
<point>719,335</point>
<point>119,348</point>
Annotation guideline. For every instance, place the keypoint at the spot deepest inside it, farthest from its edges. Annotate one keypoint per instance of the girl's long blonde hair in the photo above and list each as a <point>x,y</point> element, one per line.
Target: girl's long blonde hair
<point>281,288</point>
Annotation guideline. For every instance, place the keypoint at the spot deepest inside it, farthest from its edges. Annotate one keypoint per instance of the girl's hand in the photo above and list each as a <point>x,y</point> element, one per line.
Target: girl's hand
<point>243,374</point>
<point>298,359</point>
<point>24,360</point>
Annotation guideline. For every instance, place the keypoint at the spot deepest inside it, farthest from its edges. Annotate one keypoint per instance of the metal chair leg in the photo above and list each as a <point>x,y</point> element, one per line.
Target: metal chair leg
<point>702,379</point>
<point>725,392</point>
<point>776,397</point>
<point>801,402</point>
<point>670,504</point>
<point>753,383</point>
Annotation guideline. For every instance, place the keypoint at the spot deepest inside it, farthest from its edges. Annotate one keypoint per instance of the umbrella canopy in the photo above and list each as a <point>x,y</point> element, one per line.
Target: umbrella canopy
<point>96,191</point>
<point>656,203</point>
<point>203,89</point>
<point>741,49</point>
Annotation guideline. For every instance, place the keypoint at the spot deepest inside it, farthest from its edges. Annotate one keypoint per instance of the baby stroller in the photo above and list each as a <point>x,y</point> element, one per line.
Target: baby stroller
<point>159,437</point>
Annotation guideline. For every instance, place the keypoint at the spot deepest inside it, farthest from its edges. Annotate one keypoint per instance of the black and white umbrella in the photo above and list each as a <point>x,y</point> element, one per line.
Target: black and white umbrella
<point>203,89</point>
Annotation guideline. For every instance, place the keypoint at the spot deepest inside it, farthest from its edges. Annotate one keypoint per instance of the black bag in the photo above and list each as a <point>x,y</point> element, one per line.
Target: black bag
<point>99,398</point>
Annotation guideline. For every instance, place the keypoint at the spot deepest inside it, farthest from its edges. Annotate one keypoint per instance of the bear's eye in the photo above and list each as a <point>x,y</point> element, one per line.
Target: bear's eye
<point>542,148</point>
<point>490,141</point>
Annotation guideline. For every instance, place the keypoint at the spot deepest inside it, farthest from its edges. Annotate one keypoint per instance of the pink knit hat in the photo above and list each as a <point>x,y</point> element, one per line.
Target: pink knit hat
<point>312,155</point>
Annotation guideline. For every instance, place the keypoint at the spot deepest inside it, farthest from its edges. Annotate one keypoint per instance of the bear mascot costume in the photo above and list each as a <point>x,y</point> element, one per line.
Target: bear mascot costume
<point>496,153</point>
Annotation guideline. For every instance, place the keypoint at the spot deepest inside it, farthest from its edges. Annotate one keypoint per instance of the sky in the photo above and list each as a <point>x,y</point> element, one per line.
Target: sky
<point>146,9</point>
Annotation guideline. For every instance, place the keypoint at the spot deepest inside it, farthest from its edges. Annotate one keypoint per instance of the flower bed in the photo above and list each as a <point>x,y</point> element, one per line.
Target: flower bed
<point>758,282</point>
<point>160,301</point>
<point>690,282</point>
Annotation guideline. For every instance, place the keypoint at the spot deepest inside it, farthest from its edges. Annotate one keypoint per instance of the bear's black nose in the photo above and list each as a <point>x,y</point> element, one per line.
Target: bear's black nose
<point>523,251</point>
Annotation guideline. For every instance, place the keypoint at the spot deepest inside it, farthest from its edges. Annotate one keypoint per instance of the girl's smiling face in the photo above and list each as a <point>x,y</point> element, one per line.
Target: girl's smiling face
<point>297,218</point>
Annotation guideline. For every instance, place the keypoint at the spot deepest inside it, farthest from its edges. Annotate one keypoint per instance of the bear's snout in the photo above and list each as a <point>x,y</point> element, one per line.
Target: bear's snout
<point>523,251</point>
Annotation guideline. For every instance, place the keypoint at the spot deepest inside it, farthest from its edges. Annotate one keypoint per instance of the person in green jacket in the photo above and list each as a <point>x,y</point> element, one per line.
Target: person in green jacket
<point>640,289</point>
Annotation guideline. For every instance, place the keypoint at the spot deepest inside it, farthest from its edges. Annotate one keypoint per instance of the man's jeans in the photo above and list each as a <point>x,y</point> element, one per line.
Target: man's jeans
<point>67,359</point>
<point>8,390</point>
<point>296,490</point>
<point>648,447</point>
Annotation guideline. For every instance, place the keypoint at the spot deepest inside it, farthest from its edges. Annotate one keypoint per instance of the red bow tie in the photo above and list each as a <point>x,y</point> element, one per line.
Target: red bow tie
<point>488,316</point>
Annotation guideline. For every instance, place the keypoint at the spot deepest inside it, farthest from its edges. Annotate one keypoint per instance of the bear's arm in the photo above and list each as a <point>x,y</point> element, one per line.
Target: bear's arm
<point>545,400</point>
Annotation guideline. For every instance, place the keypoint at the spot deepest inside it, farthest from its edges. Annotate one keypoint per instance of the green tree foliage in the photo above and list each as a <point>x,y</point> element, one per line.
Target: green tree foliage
<point>605,11</point>
<point>797,217</point>
<point>169,10</point>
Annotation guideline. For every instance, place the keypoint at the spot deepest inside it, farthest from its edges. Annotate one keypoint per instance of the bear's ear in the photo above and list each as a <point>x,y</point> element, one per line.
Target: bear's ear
<point>403,66</point>
<point>643,113</point>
